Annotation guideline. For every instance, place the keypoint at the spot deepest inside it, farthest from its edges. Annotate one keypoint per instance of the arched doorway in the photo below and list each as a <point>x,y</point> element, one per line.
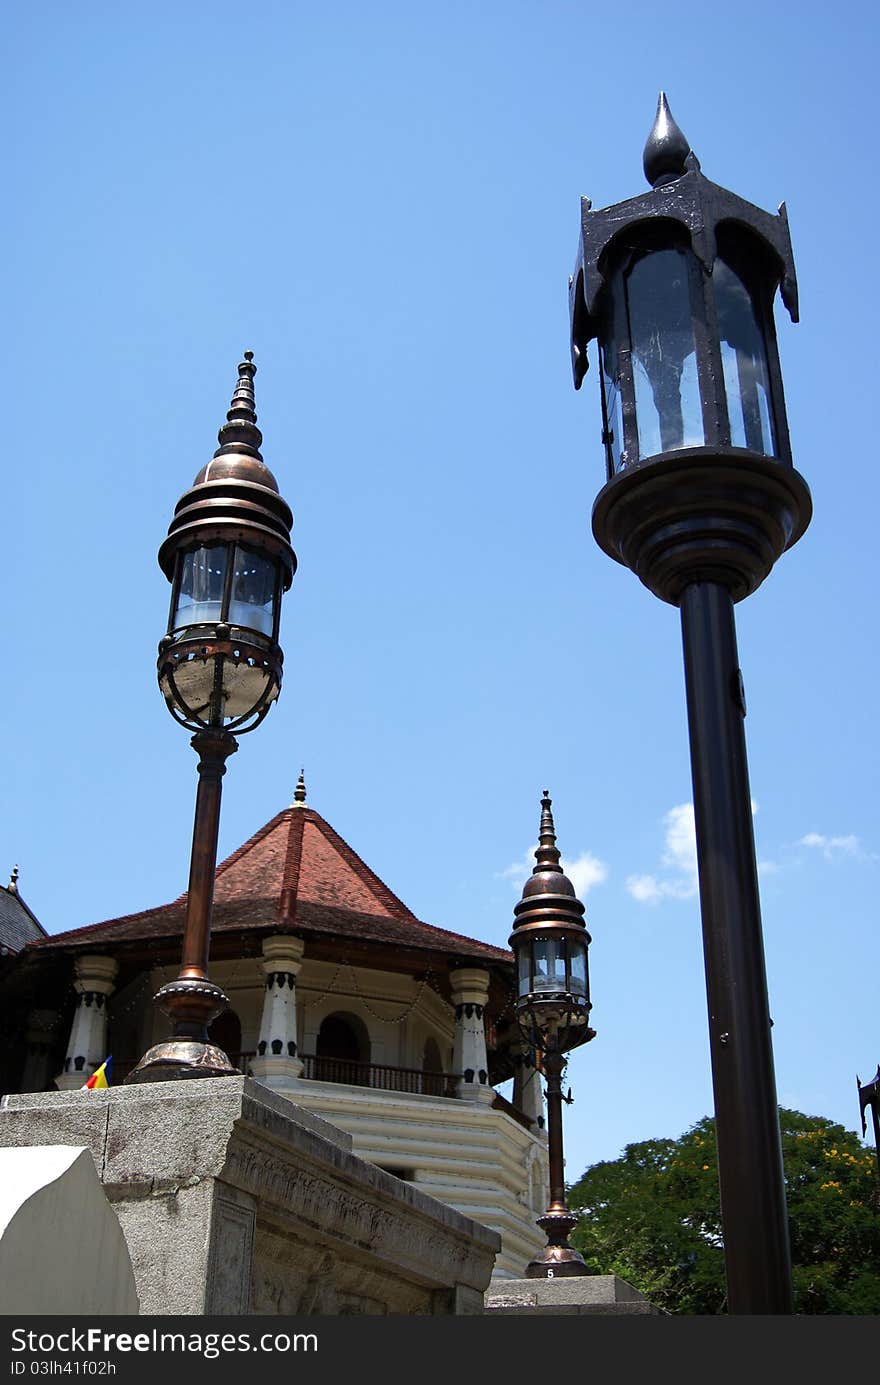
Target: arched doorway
<point>433,1081</point>
<point>342,1050</point>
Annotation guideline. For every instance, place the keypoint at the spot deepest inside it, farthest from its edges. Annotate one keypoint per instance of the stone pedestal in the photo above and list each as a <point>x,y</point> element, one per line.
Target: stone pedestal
<point>234,1201</point>
<point>598,1294</point>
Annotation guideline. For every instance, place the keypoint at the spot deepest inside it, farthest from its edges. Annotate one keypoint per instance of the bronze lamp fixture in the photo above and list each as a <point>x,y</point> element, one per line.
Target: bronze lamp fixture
<point>229,561</point>
<point>550,943</point>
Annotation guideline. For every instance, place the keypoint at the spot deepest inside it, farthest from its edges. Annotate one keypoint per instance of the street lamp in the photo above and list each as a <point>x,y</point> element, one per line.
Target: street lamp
<point>228,559</point>
<point>550,942</point>
<point>701,499</point>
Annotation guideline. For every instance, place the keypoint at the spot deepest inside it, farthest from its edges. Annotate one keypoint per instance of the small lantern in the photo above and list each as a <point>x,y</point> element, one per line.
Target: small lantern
<point>550,942</point>
<point>228,558</point>
<point>678,285</point>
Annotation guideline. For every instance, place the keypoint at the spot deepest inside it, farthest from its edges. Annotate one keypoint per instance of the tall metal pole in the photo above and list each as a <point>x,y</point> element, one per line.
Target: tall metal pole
<point>192,1000</point>
<point>213,749</point>
<point>558,1259</point>
<point>756,1243</point>
<point>553,1064</point>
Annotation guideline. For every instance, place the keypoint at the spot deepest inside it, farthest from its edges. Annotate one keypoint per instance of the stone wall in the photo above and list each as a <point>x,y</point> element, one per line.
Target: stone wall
<point>232,1200</point>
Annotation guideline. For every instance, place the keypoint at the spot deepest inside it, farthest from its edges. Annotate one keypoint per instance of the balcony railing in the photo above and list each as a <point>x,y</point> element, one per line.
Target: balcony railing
<point>382,1075</point>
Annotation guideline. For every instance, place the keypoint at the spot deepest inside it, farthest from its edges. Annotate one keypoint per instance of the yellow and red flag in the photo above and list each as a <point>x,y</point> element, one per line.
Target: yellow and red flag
<point>99,1076</point>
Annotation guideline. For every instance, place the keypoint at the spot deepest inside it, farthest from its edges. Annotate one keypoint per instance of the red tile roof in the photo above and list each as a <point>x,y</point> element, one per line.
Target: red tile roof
<point>296,873</point>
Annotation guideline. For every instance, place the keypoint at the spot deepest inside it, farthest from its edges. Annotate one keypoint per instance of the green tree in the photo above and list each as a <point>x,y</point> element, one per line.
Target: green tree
<point>653,1217</point>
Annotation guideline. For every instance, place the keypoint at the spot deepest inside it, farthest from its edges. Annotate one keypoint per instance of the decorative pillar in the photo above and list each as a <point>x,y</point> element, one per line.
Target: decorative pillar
<point>87,1048</point>
<point>276,1063</point>
<point>470,992</point>
<point>528,1094</point>
<point>39,1039</point>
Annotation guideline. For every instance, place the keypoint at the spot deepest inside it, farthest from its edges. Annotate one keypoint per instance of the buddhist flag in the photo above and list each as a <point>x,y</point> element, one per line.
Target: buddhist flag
<point>99,1076</point>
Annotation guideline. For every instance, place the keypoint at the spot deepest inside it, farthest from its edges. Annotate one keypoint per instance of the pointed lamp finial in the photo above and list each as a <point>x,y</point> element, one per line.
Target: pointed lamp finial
<point>299,793</point>
<point>240,432</point>
<point>547,854</point>
<point>666,149</point>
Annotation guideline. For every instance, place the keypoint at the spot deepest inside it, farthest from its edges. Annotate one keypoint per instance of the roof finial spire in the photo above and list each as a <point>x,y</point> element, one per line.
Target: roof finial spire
<point>13,881</point>
<point>547,854</point>
<point>299,793</point>
<point>666,149</point>
<point>240,432</point>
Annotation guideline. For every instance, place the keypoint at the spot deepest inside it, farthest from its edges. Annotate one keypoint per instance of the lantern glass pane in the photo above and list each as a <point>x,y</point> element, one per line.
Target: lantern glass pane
<point>549,961</point>
<point>252,600</point>
<point>200,593</point>
<point>578,957</point>
<point>524,970</point>
<point>664,354</point>
<point>610,381</point>
<point>744,361</point>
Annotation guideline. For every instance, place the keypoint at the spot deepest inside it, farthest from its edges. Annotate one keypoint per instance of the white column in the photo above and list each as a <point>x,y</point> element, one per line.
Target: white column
<point>276,1063</point>
<point>470,992</point>
<point>87,1048</point>
<point>528,1093</point>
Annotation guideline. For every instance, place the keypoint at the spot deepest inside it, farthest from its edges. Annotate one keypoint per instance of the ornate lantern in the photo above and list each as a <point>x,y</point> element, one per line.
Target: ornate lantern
<point>678,286</point>
<point>550,942</point>
<point>228,558</point>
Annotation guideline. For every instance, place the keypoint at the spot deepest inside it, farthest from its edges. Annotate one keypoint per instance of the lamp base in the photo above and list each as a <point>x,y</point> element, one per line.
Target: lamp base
<point>177,1059</point>
<point>557,1260</point>
<point>702,515</point>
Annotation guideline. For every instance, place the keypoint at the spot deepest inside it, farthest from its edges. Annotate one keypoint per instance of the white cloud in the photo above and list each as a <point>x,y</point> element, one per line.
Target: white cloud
<point>681,840</point>
<point>679,858</point>
<point>645,888</point>
<point>832,848</point>
<point>584,872</point>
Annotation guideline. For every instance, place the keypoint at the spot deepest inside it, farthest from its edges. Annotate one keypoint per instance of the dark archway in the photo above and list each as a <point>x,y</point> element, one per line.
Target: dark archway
<point>342,1050</point>
<point>433,1081</point>
<point>225,1032</point>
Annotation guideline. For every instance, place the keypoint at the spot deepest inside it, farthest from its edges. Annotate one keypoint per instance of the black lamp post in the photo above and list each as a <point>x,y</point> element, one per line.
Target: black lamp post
<point>701,499</point>
<point>550,942</point>
<point>228,559</point>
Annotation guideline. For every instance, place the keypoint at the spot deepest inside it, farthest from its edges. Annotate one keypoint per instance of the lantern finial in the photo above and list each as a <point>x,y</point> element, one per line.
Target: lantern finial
<point>240,432</point>
<point>666,149</point>
<point>299,793</point>
<point>547,854</point>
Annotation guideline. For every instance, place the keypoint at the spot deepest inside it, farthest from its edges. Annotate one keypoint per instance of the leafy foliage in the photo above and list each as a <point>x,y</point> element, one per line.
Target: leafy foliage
<point>653,1217</point>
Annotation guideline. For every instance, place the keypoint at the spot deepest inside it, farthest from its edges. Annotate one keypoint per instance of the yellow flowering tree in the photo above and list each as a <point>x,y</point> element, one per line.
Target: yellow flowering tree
<point>653,1217</point>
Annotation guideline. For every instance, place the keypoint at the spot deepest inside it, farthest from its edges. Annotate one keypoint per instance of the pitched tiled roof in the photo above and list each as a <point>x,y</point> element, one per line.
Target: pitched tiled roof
<point>299,874</point>
<point>18,925</point>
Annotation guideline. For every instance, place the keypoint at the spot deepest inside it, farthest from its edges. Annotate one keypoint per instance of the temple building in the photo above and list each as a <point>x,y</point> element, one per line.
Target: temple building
<point>340,999</point>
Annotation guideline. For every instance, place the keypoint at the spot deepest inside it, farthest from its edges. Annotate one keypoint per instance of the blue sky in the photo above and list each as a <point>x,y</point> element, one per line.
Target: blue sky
<point>382,203</point>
